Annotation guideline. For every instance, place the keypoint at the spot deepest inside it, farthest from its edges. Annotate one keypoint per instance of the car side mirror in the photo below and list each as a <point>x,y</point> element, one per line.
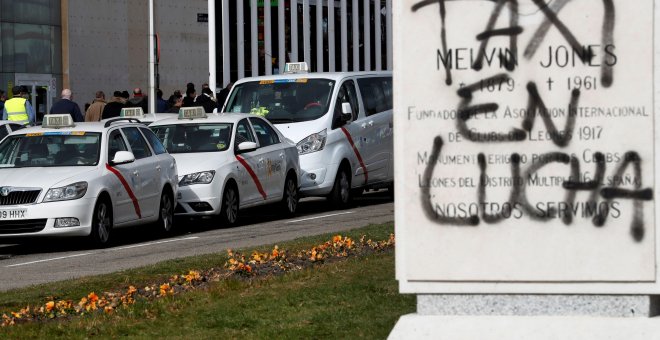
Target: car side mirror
<point>123,157</point>
<point>247,147</point>
<point>346,112</point>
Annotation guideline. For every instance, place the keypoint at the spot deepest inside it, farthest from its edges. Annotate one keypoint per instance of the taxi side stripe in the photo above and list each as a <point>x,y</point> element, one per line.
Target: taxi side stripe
<point>253,175</point>
<point>357,154</point>
<point>136,204</point>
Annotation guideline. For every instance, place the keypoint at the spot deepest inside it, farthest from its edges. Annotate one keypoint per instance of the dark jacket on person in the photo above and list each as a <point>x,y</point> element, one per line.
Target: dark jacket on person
<point>161,105</point>
<point>142,102</point>
<point>68,106</point>
<point>205,101</point>
<point>113,108</point>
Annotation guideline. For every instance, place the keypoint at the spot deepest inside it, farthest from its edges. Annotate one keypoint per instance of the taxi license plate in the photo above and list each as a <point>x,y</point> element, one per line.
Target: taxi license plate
<point>12,214</point>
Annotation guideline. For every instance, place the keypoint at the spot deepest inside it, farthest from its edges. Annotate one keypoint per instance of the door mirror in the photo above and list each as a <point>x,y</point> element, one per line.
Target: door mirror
<point>346,112</point>
<point>247,147</point>
<point>123,157</point>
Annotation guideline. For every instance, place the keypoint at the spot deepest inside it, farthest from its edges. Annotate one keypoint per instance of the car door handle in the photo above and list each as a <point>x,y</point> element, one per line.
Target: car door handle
<point>282,155</point>
<point>364,125</point>
<point>157,167</point>
<point>371,123</point>
<point>136,173</point>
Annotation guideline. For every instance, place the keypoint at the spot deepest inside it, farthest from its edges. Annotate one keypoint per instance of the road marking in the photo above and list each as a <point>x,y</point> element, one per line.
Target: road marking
<point>317,217</point>
<point>46,260</point>
<point>85,254</point>
<point>157,242</point>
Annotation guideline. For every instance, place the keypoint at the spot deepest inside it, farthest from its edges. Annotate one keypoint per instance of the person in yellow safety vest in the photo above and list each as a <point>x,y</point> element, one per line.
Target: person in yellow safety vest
<point>18,109</point>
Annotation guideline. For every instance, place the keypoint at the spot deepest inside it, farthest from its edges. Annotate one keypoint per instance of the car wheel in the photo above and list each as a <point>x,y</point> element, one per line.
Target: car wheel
<point>101,223</point>
<point>165,221</point>
<point>340,196</point>
<point>290,198</point>
<point>229,211</point>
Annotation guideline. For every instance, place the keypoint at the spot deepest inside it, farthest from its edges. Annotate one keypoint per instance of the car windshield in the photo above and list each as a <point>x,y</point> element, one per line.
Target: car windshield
<point>282,100</point>
<point>49,149</point>
<point>185,138</point>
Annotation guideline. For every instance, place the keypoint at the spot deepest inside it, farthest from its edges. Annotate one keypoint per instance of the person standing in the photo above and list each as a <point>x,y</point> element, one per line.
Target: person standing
<point>161,104</point>
<point>113,108</point>
<point>222,95</point>
<point>191,96</point>
<point>3,98</point>
<point>206,100</point>
<point>66,105</point>
<point>95,110</point>
<point>178,102</point>
<point>138,100</point>
<point>18,109</point>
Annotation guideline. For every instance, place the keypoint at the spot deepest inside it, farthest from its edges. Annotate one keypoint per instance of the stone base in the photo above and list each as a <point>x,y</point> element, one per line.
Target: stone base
<point>416,326</point>
<point>539,305</point>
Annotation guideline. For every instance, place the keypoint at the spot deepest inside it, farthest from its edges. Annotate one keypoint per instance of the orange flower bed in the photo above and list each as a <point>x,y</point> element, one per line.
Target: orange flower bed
<point>238,265</point>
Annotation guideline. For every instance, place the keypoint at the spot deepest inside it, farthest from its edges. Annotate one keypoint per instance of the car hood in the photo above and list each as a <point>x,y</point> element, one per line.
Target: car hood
<point>188,163</point>
<point>299,130</point>
<point>44,177</point>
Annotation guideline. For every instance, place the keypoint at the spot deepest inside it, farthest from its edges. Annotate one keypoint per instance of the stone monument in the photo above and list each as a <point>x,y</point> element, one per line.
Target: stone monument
<point>525,168</point>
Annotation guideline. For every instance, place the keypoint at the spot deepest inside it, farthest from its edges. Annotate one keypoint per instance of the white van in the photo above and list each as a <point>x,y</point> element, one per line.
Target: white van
<point>341,122</point>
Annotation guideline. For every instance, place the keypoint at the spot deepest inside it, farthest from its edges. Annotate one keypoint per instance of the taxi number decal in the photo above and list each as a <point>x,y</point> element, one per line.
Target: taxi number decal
<point>253,175</point>
<point>136,204</point>
<point>357,153</point>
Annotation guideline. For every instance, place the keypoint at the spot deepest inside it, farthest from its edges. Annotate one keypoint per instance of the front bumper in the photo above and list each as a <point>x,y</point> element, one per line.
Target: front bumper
<point>317,175</point>
<point>39,219</point>
<point>198,200</point>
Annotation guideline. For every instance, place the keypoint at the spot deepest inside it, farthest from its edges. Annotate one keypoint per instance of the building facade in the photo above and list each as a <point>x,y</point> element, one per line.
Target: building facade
<point>91,45</point>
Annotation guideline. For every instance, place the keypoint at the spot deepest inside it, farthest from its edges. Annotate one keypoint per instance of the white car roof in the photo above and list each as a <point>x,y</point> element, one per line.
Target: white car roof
<point>211,118</point>
<point>316,75</point>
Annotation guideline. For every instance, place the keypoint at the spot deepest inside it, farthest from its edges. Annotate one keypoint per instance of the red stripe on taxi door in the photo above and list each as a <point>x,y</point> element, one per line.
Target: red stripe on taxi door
<point>136,204</point>
<point>357,153</point>
<point>253,175</point>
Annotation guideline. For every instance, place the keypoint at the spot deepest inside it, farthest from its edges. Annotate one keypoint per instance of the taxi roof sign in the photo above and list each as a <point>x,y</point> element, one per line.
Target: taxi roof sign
<point>133,112</point>
<point>300,67</point>
<point>192,112</point>
<point>57,121</point>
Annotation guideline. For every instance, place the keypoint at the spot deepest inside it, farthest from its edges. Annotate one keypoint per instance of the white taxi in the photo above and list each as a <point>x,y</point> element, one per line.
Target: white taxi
<point>229,162</point>
<point>8,126</point>
<point>84,179</point>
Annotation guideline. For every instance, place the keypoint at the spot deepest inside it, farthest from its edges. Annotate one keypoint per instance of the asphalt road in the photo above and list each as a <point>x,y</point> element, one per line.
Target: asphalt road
<point>44,261</point>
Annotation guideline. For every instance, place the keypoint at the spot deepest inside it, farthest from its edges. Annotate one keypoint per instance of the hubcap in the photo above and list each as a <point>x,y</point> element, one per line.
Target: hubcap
<point>344,186</point>
<point>166,212</point>
<point>291,195</point>
<point>231,205</point>
<point>103,221</point>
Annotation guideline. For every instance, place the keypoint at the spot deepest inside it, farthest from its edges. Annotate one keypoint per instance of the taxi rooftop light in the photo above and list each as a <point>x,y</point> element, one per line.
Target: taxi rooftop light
<point>300,67</point>
<point>192,112</point>
<point>57,121</point>
<point>133,112</point>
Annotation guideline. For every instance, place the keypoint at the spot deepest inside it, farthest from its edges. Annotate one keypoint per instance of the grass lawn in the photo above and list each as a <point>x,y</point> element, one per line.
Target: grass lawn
<point>356,297</point>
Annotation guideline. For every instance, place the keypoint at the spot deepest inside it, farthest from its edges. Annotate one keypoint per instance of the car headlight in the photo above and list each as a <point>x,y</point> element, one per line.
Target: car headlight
<point>69,192</point>
<point>312,143</point>
<point>204,177</point>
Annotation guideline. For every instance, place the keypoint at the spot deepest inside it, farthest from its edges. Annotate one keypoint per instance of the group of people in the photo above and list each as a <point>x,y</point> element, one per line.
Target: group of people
<point>19,109</point>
